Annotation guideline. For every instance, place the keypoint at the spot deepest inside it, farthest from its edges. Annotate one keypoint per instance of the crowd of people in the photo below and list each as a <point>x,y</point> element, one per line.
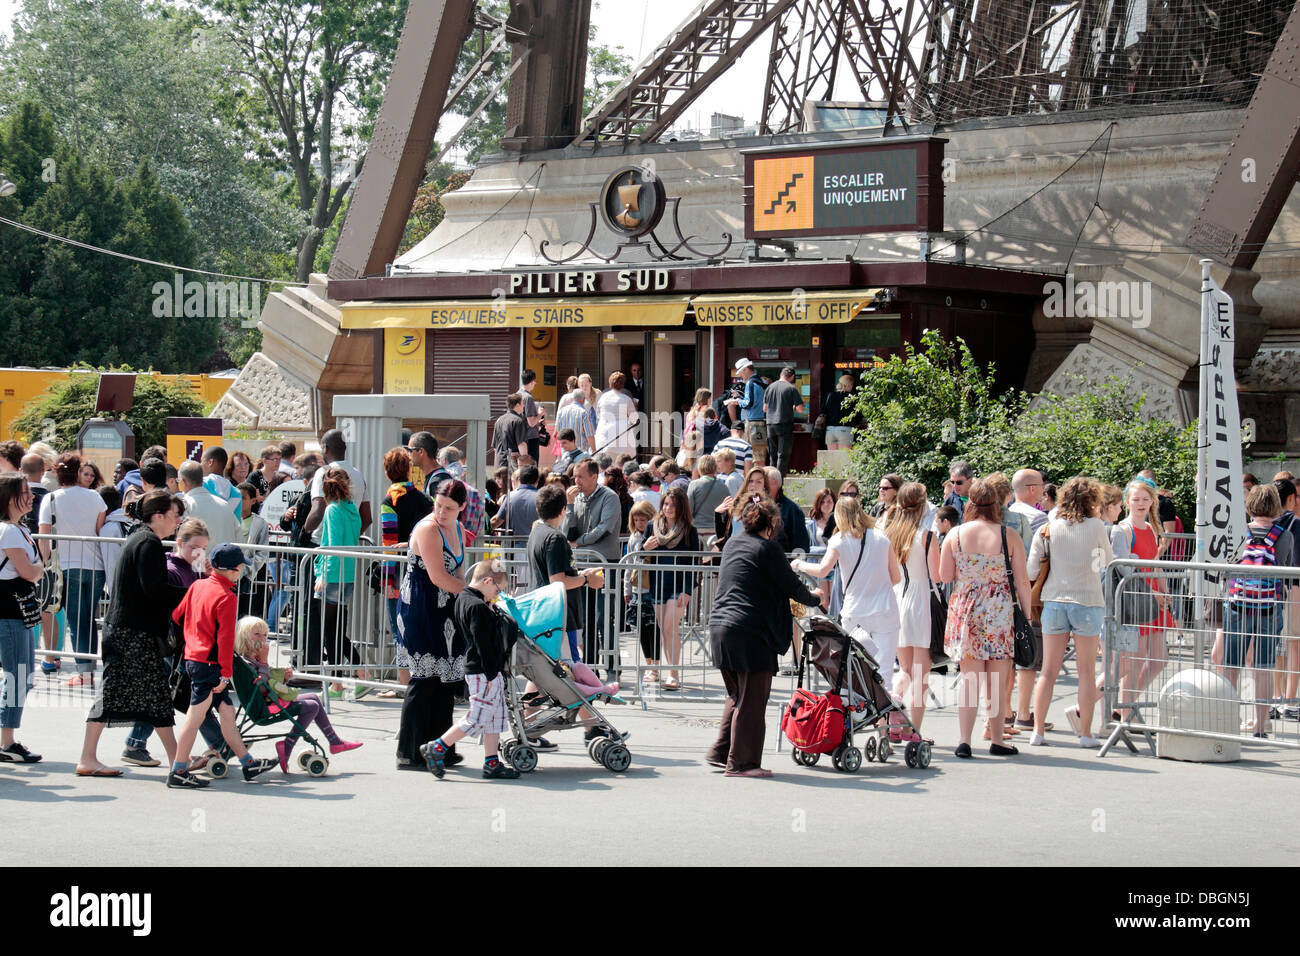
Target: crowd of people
<point>919,580</point>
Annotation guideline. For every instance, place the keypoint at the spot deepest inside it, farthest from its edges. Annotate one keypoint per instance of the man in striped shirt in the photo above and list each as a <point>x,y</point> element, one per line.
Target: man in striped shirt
<point>574,415</point>
<point>736,443</point>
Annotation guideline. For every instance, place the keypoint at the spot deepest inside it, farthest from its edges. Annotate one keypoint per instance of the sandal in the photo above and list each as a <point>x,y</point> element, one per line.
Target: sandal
<point>99,772</point>
<point>651,677</point>
<point>389,694</point>
<point>754,772</point>
<point>670,684</point>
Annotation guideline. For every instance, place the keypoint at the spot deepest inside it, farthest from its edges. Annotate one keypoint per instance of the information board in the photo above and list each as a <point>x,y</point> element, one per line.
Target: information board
<point>845,189</point>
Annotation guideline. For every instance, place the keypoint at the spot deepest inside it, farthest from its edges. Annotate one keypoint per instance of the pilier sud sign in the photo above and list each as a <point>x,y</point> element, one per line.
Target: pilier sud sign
<point>844,189</point>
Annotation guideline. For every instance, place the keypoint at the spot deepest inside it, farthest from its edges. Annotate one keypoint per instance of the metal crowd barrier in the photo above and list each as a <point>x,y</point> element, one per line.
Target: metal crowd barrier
<point>337,628</point>
<point>1182,659</point>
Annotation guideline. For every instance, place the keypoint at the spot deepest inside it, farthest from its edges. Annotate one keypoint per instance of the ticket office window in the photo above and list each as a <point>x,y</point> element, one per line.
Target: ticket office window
<point>863,345</point>
<point>802,381</point>
<point>772,348</point>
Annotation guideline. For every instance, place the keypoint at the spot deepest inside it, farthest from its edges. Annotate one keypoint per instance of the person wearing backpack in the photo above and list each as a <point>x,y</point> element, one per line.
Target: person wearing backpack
<point>1254,611</point>
<point>1290,650</point>
<point>117,524</point>
<point>1140,535</point>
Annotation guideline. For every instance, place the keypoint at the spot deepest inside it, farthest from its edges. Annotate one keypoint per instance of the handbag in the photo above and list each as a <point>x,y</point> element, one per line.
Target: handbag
<point>375,577</point>
<point>938,617</point>
<point>179,682</point>
<point>819,428</point>
<point>169,642</point>
<point>845,589</point>
<point>24,592</point>
<point>49,590</point>
<point>1027,654</point>
<point>1137,602</point>
<point>1036,592</point>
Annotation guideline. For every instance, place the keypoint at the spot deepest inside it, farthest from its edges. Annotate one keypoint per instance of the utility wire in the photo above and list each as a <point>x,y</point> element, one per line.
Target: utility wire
<point>148,262</point>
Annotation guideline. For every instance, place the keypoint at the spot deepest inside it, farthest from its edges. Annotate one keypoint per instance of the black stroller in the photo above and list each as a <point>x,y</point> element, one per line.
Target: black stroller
<point>845,663</point>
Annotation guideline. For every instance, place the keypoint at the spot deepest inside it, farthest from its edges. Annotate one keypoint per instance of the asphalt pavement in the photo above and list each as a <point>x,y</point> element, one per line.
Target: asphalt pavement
<point>1051,805</point>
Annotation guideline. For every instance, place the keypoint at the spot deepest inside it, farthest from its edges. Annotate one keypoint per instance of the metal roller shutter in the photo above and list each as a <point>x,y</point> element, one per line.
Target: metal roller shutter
<point>474,361</point>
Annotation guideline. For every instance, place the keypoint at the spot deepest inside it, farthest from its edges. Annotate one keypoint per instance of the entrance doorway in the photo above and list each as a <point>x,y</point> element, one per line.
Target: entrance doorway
<point>674,375</point>
<point>670,366</point>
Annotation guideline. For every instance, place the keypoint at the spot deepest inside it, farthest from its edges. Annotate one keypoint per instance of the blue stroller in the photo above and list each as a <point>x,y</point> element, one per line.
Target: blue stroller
<point>558,701</point>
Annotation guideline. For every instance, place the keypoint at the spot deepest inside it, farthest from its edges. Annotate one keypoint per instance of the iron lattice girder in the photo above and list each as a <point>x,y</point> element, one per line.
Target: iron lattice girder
<point>1261,166</point>
<point>1008,57</point>
<point>682,68</point>
<point>880,41</point>
<point>814,27</point>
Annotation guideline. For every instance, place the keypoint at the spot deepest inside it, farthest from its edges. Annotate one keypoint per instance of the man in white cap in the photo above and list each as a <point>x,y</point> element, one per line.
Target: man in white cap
<point>751,409</point>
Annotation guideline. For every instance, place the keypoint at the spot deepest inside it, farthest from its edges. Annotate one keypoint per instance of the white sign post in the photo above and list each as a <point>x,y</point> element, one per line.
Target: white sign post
<point>277,502</point>
<point>1220,498</point>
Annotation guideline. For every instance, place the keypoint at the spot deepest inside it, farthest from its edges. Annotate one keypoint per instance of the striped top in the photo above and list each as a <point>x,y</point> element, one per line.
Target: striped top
<point>744,450</point>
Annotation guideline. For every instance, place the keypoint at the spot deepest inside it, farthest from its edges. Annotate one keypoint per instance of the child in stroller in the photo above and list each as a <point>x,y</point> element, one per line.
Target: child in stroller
<point>562,694</point>
<point>251,640</point>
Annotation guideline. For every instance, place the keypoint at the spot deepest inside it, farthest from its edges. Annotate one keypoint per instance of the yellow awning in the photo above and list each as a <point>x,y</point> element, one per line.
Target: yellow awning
<point>782,308</point>
<point>572,313</point>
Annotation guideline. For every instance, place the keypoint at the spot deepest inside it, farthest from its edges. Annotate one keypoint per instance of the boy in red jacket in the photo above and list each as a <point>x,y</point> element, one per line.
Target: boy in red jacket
<point>207,613</point>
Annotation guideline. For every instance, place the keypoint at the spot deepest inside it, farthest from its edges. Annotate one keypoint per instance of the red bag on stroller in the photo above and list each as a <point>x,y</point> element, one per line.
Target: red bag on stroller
<point>814,723</point>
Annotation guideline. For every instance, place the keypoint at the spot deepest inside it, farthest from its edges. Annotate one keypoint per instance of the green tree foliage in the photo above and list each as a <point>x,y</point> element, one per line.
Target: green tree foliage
<point>484,128</point>
<point>68,404</point>
<point>917,408</point>
<point>129,82</point>
<point>934,404</point>
<point>1103,432</point>
<point>427,210</point>
<point>607,67</point>
<point>316,73</point>
<point>60,304</point>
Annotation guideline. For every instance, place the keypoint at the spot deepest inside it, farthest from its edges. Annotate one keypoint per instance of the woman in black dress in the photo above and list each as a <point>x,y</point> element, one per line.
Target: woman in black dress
<point>403,508</point>
<point>749,628</point>
<point>136,628</point>
<point>670,591</point>
<point>428,642</point>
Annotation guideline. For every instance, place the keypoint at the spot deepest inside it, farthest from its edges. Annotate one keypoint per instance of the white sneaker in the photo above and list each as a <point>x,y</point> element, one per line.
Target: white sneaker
<point>1091,743</point>
<point>1038,740</point>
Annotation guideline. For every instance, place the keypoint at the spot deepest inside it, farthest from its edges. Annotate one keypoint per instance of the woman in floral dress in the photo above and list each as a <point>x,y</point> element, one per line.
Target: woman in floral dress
<point>428,642</point>
<point>980,632</point>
